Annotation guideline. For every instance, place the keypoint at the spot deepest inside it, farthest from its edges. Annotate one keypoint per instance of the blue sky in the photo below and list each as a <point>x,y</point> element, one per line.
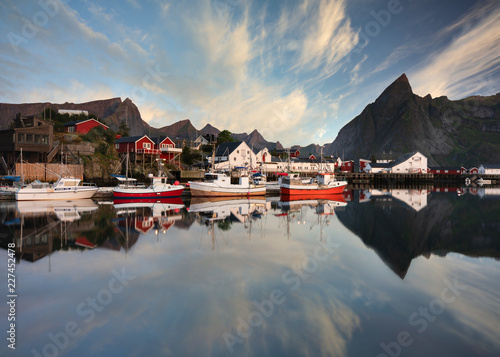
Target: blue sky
<point>295,70</point>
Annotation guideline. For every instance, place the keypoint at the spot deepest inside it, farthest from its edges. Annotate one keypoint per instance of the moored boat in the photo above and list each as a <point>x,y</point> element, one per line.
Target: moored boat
<point>65,188</point>
<point>159,188</point>
<point>219,184</point>
<point>323,185</point>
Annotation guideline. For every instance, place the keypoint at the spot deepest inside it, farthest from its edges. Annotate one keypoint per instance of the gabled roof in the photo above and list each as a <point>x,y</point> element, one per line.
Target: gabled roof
<point>73,122</point>
<point>404,157</point>
<point>159,139</point>
<point>226,149</point>
<point>130,139</point>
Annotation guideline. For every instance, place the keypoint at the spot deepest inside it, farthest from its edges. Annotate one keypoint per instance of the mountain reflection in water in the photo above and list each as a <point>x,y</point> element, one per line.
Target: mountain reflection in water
<point>403,224</point>
<point>201,270</point>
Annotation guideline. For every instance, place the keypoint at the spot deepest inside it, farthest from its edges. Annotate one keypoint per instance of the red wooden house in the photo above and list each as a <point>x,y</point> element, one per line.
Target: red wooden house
<point>362,164</point>
<point>474,170</point>
<point>445,170</point>
<point>134,144</point>
<point>83,126</point>
<point>167,150</point>
<point>347,166</point>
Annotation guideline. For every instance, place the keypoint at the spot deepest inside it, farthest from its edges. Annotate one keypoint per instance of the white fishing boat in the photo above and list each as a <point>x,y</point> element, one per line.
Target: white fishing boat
<point>275,185</point>
<point>219,184</point>
<point>65,188</point>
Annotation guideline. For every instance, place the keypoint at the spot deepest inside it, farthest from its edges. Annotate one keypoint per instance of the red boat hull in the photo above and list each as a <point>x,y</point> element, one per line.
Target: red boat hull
<point>329,197</point>
<point>141,195</point>
<point>316,193</point>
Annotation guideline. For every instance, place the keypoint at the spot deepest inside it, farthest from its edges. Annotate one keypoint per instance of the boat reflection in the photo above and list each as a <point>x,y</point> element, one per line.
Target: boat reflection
<point>40,227</point>
<point>223,212</point>
<point>291,210</point>
<point>401,225</point>
<point>66,211</point>
<point>147,215</point>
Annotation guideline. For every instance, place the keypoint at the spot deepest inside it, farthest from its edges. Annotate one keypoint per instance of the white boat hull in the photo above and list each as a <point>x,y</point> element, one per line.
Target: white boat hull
<point>26,194</point>
<point>211,190</point>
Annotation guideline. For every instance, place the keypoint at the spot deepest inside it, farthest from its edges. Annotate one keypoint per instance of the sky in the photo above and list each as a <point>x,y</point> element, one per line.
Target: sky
<point>297,71</point>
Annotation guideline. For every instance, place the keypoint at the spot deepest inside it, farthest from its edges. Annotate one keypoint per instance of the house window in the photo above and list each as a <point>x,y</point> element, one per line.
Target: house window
<point>237,151</point>
<point>38,140</point>
<point>29,138</point>
<point>45,139</point>
<point>234,159</point>
<point>445,171</point>
<point>146,145</point>
<point>71,129</point>
<point>117,146</point>
<point>20,138</point>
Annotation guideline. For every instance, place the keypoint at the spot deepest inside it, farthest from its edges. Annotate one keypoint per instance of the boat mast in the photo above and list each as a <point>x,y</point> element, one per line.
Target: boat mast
<point>22,171</point>
<point>212,168</point>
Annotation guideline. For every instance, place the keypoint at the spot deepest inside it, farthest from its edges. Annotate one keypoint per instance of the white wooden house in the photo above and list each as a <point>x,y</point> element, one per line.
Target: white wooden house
<point>489,169</point>
<point>411,163</point>
<point>236,154</point>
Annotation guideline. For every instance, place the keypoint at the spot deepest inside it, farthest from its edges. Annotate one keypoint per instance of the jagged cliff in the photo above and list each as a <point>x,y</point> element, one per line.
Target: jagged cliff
<point>113,111</point>
<point>448,132</point>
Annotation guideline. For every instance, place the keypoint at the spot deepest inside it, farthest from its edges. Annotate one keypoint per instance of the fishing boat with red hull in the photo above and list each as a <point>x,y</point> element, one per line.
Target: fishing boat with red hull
<point>159,188</point>
<point>322,186</point>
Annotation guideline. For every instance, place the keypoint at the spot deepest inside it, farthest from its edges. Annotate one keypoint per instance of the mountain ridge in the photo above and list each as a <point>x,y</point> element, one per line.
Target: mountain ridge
<point>459,132</point>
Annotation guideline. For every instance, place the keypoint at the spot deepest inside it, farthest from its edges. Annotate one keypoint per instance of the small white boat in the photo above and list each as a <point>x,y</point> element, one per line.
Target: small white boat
<point>65,188</point>
<point>219,184</point>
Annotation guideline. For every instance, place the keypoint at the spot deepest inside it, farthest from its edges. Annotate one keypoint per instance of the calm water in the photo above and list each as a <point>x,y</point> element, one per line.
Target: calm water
<point>407,273</point>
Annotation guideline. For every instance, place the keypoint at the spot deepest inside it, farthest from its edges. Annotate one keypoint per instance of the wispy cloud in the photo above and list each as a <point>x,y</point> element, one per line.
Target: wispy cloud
<point>467,65</point>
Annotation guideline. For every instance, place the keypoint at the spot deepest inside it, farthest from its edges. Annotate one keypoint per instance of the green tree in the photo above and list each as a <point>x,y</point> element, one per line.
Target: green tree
<point>225,137</point>
<point>123,130</point>
<point>186,156</point>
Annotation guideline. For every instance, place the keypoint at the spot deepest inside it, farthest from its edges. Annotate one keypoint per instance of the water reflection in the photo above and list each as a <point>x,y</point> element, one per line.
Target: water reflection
<point>401,225</point>
<point>204,269</point>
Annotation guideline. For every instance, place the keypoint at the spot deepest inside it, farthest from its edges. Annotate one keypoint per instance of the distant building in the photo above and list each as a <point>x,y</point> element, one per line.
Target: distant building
<point>375,168</point>
<point>410,163</point>
<point>83,126</point>
<point>263,156</point>
<point>473,170</point>
<point>445,170</point>
<point>72,112</point>
<point>362,164</point>
<point>199,142</point>
<point>347,166</point>
<point>235,154</point>
<point>489,169</point>
<point>34,136</point>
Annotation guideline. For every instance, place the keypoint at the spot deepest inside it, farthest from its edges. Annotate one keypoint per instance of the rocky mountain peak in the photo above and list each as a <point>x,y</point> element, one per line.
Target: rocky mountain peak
<point>396,95</point>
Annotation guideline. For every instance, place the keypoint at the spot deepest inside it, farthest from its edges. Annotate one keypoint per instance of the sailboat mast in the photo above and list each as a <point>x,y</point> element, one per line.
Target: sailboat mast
<point>22,170</point>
